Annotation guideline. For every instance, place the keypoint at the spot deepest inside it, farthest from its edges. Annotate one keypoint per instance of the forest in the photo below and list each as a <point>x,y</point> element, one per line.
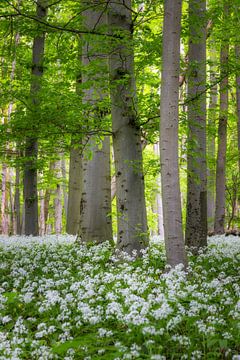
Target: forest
<point>119,179</point>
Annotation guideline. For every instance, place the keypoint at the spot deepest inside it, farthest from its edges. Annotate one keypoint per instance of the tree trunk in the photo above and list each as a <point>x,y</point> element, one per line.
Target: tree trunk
<point>75,169</point>
<point>17,211</point>
<point>158,206</point>
<point>41,217</point>
<point>58,198</point>
<point>95,212</point>
<point>95,220</point>
<point>196,221</point>
<point>74,189</point>
<point>4,200</point>
<point>237,52</point>
<point>31,146</point>
<point>222,139</point>
<point>64,186</point>
<point>172,215</point>
<point>131,207</point>
<point>113,179</point>
<point>212,110</point>
<point>46,207</point>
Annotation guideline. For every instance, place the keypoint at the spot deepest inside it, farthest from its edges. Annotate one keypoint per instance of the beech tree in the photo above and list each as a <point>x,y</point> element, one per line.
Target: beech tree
<point>131,209</point>
<point>222,136</point>
<point>172,215</point>
<point>211,147</point>
<point>31,146</point>
<point>196,220</point>
<point>95,210</point>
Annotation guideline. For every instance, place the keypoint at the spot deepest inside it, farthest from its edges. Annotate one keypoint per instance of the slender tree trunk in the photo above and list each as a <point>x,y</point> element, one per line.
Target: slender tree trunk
<point>74,190</point>
<point>64,186</point>
<point>212,110</point>
<point>196,221</point>
<point>131,207</point>
<point>58,198</point>
<point>46,207</point>
<point>237,52</point>
<point>31,146</point>
<point>4,200</point>
<point>172,215</point>
<point>11,216</point>
<point>222,139</point>
<point>47,197</point>
<point>17,205</point>
<point>95,212</point>
<point>159,208</point>
<point>75,169</point>
<point>41,217</point>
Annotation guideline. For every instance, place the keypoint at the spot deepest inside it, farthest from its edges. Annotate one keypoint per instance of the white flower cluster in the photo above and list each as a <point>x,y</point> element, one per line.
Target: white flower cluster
<point>60,299</point>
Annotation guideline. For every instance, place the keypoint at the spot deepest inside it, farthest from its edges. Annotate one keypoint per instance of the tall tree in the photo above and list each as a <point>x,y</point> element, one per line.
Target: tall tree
<point>131,207</point>
<point>95,211</point>
<point>237,53</point>
<point>172,215</point>
<point>31,145</point>
<point>211,147</point>
<point>196,220</point>
<point>222,135</point>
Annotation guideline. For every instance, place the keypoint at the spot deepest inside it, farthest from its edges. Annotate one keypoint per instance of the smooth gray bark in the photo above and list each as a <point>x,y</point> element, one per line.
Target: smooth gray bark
<point>64,185</point>
<point>75,168</point>
<point>95,219</point>
<point>131,207</point>
<point>4,200</point>
<point>237,53</point>
<point>17,211</point>
<point>41,215</point>
<point>95,211</point>
<point>211,149</point>
<point>196,220</point>
<point>31,145</point>
<point>58,198</point>
<point>158,200</point>
<point>172,214</point>
<point>219,226</point>
<point>74,190</point>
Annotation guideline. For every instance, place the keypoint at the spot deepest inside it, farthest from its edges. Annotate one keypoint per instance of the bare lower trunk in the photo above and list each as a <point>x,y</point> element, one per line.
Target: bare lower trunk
<point>58,198</point>
<point>222,141</point>
<point>196,221</point>
<point>11,216</point>
<point>31,147</point>
<point>4,200</point>
<point>159,209</point>
<point>74,190</point>
<point>41,217</point>
<point>46,207</point>
<point>131,207</point>
<point>172,214</point>
<point>64,185</point>
<point>17,211</point>
<point>95,220</point>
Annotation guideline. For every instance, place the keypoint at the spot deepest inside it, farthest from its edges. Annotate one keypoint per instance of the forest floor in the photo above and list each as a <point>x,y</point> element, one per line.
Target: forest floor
<point>63,300</point>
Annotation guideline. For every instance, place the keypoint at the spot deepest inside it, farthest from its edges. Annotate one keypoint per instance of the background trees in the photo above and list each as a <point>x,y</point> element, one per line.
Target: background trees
<point>116,66</point>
